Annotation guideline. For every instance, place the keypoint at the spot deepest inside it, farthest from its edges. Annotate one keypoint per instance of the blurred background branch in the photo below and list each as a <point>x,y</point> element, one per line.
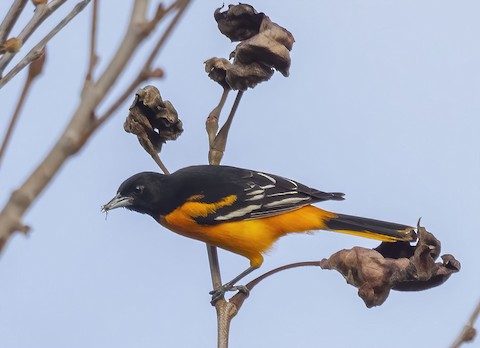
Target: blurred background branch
<point>39,48</point>
<point>42,12</point>
<point>468,332</point>
<point>35,69</point>
<point>11,18</point>
<point>83,121</point>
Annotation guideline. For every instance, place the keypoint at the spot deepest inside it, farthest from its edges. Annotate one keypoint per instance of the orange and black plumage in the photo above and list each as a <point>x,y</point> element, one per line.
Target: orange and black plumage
<point>240,210</point>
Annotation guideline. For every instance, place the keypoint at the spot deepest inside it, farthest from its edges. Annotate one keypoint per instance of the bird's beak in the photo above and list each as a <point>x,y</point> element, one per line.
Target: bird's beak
<point>117,202</point>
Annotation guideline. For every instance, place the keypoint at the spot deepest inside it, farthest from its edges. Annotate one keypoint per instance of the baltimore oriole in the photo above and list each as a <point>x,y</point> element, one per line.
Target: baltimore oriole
<point>240,210</point>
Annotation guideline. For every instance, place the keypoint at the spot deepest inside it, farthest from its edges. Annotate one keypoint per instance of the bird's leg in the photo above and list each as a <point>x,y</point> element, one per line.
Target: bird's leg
<point>218,293</point>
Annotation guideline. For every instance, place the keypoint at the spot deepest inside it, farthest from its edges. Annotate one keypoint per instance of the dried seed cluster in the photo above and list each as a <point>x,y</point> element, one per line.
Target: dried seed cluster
<point>264,47</point>
<point>152,120</point>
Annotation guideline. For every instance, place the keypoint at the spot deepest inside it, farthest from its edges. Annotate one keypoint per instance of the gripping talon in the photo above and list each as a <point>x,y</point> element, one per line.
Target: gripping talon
<point>243,289</point>
<point>219,293</point>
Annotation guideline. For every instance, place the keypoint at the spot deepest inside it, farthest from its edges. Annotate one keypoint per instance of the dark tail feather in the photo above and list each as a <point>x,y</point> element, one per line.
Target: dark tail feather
<point>370,228</point>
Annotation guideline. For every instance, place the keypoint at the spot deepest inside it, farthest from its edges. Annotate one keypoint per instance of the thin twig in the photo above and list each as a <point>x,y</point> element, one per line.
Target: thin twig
<point>34,71</point>
<point>158,161</point>
<point>182,6</point>
<point>240,297</point>
<point>468,332</point>
<point>144,72</point>
<point>211,125</point>
<point>220,143</point>
<point>36,51</point>
<point>11,18</point>
<point>93,36</point>
<point>42,12</point>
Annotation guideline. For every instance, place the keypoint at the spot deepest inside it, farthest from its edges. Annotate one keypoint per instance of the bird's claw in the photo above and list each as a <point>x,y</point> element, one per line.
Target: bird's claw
<point>243,289</point>
<point>219,292</point>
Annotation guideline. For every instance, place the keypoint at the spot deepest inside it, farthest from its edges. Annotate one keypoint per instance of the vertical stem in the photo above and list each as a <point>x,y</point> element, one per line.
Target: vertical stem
<point>225,313</point>
<point>225,310</point>
<point>93,36</point>
<point>220,143</point>
<point>214,266</point>
<point>211,125</point>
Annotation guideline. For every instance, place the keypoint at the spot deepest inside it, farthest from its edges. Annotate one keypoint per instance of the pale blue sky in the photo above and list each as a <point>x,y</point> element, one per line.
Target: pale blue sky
<point>382,103</point>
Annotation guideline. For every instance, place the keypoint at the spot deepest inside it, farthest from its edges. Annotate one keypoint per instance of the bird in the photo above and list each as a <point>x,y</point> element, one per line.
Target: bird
<point>240,210</point>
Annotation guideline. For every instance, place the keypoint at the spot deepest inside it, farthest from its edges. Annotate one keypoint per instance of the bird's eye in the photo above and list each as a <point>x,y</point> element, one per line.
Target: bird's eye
<point>138,190</point>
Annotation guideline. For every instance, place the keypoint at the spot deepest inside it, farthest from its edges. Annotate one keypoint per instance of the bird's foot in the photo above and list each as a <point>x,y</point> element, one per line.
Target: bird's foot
<point>219,292</point>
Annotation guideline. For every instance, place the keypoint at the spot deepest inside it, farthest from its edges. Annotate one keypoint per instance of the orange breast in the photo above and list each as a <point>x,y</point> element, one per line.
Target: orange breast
<point>249,238</point>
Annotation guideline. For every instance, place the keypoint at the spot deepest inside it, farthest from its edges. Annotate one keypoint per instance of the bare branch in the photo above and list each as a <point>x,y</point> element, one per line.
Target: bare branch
<point>240,297</point>
<point>34,71</point>
<point>76,132</point>
<point>37,50</point>
<point>182,5</point>
<point>42,12</point>
<point>127,93</point>
<point>468,332</point>
<point>11,18</point>
<point>146,71</point>
<point>93,35</point>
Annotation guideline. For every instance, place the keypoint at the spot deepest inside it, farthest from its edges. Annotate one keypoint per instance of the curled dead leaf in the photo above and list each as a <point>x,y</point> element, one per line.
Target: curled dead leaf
<point>270,47</point>
<point>264,46</point>
<point>237,76</point>
<point>152,120</point>
<point>216,68</point>
<point>239,22</point>
<point>393,266</point>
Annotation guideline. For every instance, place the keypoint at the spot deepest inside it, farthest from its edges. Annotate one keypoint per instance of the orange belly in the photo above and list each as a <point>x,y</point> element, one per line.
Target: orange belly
<point>249,238</point>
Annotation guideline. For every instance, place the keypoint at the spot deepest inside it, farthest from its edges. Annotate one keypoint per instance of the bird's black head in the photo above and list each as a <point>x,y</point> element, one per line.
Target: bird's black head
<point>141,193</point>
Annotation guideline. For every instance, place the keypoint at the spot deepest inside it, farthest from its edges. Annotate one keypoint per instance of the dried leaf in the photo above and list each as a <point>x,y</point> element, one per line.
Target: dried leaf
<point>241,77</point>
<point>239,22</point>
<point>270,47</point>
<point>237,76</point>
<point>264,46</point>
<point>216,68</point>
<point>396,266</point>
<point>152,120</point>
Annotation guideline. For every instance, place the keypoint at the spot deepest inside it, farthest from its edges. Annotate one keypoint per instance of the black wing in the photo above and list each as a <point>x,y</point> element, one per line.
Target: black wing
<point>258,194</point>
